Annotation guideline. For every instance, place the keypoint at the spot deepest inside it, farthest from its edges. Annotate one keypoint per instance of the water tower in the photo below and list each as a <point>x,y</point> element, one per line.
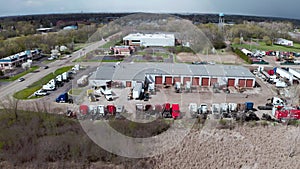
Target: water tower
<point>221,20</point>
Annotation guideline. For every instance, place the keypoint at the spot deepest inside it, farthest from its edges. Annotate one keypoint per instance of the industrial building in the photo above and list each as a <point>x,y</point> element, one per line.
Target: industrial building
<point>128,74</point>
<point>12,61</point>
<point>149,40</point>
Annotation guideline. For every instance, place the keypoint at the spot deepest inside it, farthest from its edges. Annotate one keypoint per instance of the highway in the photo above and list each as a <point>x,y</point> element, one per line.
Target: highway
<point>30,78</point>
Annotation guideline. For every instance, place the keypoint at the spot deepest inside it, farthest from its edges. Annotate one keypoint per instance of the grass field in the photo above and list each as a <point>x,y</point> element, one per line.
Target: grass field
<point>27,92</point>
<point>264,47</point>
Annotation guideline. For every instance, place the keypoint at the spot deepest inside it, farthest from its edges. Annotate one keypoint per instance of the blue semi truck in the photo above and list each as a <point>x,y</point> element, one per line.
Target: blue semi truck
<point>64,98</point>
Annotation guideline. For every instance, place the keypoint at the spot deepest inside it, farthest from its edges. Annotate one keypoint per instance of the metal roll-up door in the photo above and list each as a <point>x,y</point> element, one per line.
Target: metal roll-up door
<point>128,83</point>
<point>205,81</point>
<point>231,82</point>
<point>177,79</point>
<point>195,81</point>
<point>249,83</point>
<point>242,82</point>
<point>158,80</point>
<point>168,80</point>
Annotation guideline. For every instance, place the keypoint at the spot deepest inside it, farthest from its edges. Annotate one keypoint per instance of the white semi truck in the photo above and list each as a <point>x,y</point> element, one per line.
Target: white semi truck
<point>65,76</point>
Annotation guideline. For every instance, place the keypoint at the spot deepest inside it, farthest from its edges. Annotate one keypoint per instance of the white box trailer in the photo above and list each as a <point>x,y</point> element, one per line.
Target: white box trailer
<point>284,73</point>
<point>223,107</point>
<point>48,87</point>
<point>295,73</point>
<point>137,90</point>
<point>83,81</point>
<point>193,108</point>
<point>247,52</point>
<point>215,108</point>
<point>280,84</point>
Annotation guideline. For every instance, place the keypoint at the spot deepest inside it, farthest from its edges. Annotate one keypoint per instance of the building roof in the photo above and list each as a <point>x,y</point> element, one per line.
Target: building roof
<point>21,55</point>
<point>137,71</point>
<point>136,36</point>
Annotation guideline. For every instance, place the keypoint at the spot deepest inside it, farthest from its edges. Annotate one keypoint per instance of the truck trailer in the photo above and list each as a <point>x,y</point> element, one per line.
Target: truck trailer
<point>83,81</point>
<point>137,90</point>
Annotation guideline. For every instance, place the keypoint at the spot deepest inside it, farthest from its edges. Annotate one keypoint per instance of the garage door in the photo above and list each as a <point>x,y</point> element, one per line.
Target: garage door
<point>158,80</point>
<point>195,81</point>
<point>205,82</point>
<point>177,79</point>
<point>249,83</point>
<point>168,80</point>
<point>213,80</point>
<point>231,82</point>
<point>128,83</point>
<point>185,79</point>
<point>242,82</point>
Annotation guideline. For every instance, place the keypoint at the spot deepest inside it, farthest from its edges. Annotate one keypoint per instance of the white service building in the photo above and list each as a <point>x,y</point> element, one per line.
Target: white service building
<point>285,42</point>
<point>128,74</point>
<point>148,40</point>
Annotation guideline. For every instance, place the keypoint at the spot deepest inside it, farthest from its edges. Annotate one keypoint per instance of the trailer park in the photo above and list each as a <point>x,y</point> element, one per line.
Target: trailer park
<point>175,90</point>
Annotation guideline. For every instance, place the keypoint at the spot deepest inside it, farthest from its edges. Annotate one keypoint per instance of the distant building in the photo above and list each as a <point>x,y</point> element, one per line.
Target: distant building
<point>147,40</point>
<point>44,30</point>
<point>285,42</point>
<point>12,61</point>
<point>71,27</point>
<point>122,50</point>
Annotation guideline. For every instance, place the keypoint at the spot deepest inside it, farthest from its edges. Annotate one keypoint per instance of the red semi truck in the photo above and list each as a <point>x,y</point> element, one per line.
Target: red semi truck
<point>288,114</point>
<point>111,109</point>
<point>175,111</point>
<point>171,112</point>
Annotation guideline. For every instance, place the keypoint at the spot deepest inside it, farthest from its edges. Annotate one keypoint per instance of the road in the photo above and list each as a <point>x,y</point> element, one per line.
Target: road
<point>40,73</point>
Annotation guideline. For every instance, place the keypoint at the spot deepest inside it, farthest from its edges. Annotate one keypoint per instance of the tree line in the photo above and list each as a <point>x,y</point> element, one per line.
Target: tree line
<point>46,42</point>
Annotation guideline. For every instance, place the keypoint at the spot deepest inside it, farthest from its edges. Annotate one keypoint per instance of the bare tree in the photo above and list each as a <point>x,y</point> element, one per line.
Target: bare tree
<point>10,105</point>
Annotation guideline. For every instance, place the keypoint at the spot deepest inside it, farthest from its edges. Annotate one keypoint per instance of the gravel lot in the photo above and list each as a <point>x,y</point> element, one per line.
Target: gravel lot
<point>217,58</point>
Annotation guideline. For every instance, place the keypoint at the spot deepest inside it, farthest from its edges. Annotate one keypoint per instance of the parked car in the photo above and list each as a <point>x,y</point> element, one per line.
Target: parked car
<point>21,79</point>
<point>46,67</point>
<point>41,93</point>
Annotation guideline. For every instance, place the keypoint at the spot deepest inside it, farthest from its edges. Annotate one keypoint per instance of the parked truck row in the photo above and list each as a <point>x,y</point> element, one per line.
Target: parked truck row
<point>97,112</point>
<point>53,84</point>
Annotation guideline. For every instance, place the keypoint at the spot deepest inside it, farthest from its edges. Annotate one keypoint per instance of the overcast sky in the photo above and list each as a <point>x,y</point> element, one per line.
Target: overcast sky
<point>278,8</point>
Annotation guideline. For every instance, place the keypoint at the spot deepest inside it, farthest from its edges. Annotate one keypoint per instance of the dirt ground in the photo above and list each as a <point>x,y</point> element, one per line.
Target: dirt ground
<point>226,58</point>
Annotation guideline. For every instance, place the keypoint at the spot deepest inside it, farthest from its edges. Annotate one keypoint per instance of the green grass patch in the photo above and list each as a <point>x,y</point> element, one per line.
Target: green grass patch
<point>241,55</point>
<point>27,92</point>
<point>81,59</point>
<point>109,44</point>
<point>179,49</point>
<point>164,55</point>
<point>264,47</point>
<point>141,53</point>
<point>112,60</point>
<point>33,68</point>
<point>75,91</point>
